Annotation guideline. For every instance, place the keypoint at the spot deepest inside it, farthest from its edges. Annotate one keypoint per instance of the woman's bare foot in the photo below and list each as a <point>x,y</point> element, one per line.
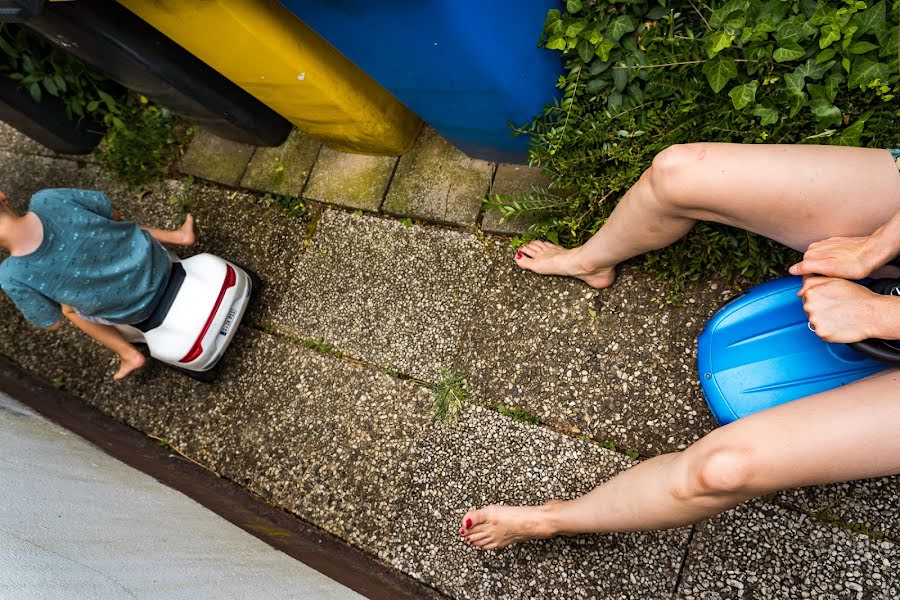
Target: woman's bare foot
<point>499,526</point>
<point>131,362</point>
<point>545,258</point>
<point>186,234</point>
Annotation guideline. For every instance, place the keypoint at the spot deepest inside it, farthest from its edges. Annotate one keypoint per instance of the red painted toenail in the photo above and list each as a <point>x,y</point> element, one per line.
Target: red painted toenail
<point>468,541</point>
<point>468,523</point>
<point>462,532</point>
<point>518,255</point>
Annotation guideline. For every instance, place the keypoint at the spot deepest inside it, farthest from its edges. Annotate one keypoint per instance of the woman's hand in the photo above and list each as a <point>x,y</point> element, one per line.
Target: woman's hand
<point>844,257</point>
<point>843,311</point>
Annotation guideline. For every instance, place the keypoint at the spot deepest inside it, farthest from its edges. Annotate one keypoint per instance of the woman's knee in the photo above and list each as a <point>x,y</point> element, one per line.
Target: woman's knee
<point>673,173</point>
<point>720,469</point>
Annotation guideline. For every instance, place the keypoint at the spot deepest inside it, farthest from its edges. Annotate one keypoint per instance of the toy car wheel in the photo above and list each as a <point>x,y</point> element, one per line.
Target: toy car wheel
<point>202,376</point>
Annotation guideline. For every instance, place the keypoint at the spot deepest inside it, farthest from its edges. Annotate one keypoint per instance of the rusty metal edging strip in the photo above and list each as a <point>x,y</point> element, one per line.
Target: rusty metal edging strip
<point>320,550</point>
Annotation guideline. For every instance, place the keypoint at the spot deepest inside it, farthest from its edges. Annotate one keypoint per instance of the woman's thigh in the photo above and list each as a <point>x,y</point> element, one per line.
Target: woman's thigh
<point>795,194</point>
<point>851,432</point>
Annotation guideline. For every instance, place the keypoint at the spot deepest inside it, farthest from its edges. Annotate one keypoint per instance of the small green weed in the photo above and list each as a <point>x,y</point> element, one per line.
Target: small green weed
<point>320,346</point>
<point>59,383</point>
<point>450,396</point>
<point>519,414</point>
<point>406,222</point>
<point>293,206</point>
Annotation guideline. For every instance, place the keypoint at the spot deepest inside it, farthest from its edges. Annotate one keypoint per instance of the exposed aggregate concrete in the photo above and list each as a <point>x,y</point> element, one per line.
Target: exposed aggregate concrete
<point>354,451</point>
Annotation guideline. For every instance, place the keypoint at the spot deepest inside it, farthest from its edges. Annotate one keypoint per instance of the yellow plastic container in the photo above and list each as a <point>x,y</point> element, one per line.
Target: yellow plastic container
<point>266,50</point>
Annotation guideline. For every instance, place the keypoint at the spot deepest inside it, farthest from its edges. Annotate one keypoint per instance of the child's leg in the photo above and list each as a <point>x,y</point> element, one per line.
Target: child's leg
<point>183,236</point>
<point>110,337</point>
<point>843,434</point>
<point>795,195</point>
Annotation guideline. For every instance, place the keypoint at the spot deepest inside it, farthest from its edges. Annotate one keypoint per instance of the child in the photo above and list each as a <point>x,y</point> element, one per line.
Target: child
<point>71,256</point>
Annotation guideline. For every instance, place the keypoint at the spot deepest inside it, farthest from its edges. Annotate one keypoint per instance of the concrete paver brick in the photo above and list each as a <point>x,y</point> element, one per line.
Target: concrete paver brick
<point>437,182</point>
<point>512,179</point>
<point>350,180</point>
<point>285,169</point>
<point>216,159</point>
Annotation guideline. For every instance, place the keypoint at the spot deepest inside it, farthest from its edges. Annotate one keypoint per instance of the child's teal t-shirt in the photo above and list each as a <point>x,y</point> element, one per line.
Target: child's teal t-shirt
<point>103,268</point>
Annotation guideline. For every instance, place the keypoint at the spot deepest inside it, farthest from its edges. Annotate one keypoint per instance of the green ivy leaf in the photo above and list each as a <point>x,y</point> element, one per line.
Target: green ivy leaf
<point>620,78</point>
<point>742,95</point>
<point>768,116</point>
<point>827,113</point>
<point>718,41</point>
<point>575,27</point>
<point>604,48</point>
<point>814,70</point>
<point>585,50</point>
<point>724,12</point>
<point>35,90</point>
<point>620,26</point>
<point>573,6</point>
<point>851,135</point>
<point>866,71</point>
<point>719,72</point>
<point>788,52</point>
<point>556,43</point>
<point>861,47</point>
<point>825,55</point>
<point>831,32</point>
<point>794,83</point>
<point>656,13</point>
<point>870,19</point>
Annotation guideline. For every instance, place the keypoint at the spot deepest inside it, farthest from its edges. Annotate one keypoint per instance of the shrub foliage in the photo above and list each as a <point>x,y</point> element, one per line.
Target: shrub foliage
<point>641,76</point>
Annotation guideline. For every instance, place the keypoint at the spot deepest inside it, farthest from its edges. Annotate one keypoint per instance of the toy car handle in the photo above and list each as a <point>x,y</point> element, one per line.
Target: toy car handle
<point>886,351</point>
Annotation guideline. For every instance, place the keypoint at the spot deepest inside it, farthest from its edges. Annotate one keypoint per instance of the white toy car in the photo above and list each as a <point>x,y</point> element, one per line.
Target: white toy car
<point>198,315</point>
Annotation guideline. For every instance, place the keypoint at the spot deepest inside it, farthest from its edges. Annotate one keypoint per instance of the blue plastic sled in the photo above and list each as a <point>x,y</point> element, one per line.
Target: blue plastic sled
<point>758,352</point>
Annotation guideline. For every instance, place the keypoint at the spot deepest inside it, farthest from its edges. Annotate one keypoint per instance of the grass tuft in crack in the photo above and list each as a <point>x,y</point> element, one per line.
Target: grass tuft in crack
<point>450,396</point>
<point>519,414</point>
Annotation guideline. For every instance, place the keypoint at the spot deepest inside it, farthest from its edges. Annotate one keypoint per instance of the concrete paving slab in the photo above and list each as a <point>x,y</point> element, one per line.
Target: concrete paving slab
<point>21,176</point>
<point>763,551</point>
<point>870,505</point>
<point>512,179</point>
<point>435,181</point>
<point>612,365</point>
<point>285,169</point>
<point>394,296</point>
<point>78,523</point>
<point>13,140</point>
<point>350,180</point>
<point>487,458</point>
<point>216,159</point>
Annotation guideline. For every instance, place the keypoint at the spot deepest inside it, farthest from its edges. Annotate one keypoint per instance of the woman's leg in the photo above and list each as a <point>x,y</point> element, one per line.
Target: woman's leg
<point>109,336</point>
<point>843,434</point>
<point>795,195</point>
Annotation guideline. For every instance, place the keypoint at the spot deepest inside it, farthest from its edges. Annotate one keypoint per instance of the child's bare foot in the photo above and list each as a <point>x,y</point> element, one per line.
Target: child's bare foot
<point>131,362</point>
<point>499,526</point>
<point>186,234</point>
<point>545,258</point>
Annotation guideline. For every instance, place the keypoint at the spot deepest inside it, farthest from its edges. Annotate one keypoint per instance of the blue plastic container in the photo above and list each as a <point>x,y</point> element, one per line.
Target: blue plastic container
<point>467,67</point>
<point>758,352</point>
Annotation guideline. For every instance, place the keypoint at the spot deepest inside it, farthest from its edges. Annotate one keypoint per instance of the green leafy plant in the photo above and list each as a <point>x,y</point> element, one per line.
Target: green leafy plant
<point>141,140</point>
<point>41,68</point>
<point>519,414</point>
<point>641,76</point>
<point>292,206</point>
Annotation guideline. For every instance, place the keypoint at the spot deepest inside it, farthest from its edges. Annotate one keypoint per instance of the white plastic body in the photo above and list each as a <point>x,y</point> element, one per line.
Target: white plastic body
<point>195,302</point>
